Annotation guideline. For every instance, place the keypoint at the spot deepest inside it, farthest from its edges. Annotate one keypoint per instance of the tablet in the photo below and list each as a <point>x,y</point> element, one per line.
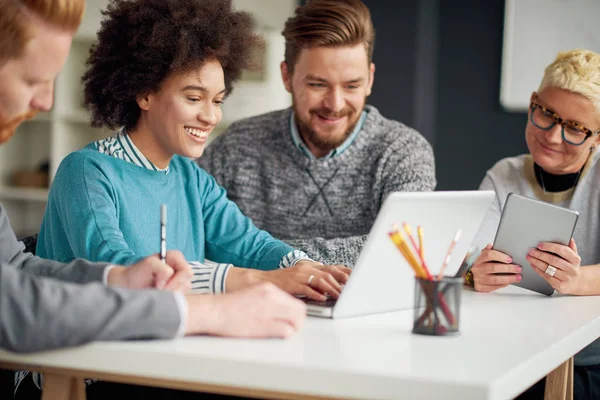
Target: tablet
<point>524,224</point>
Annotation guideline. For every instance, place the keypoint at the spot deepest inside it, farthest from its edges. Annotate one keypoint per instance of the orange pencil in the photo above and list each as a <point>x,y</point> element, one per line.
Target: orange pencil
<point>418,249</point>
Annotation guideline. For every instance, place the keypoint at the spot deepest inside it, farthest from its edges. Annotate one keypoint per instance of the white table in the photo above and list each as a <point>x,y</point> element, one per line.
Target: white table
<point>508,341</point>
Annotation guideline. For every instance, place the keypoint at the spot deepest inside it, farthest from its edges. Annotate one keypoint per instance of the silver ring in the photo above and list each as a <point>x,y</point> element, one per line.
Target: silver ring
<point>550,271</point>
<point>310,279</point>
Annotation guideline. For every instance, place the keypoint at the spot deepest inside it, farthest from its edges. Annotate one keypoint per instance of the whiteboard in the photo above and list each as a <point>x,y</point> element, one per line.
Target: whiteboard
<point>534,32</point>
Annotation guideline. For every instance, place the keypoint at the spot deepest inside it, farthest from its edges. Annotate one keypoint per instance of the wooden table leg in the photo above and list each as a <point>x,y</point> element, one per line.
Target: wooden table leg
<point>61,387</point>
<point>78,389</point>
<point>570,395</point>
<point>559,383</point>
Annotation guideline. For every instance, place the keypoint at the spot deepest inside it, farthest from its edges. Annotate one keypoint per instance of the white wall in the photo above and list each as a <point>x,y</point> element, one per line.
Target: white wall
<point>534,32</point>
<point>269,13</point>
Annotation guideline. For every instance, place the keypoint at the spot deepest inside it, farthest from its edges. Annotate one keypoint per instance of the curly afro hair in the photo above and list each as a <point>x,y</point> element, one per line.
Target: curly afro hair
<point>142,42</point>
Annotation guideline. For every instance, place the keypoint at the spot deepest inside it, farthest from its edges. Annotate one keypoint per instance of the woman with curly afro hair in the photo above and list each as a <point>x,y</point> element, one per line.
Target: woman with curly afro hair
<point>158,76</point>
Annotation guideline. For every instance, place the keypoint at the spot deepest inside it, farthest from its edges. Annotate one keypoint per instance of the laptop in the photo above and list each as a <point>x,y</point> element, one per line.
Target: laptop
<point>382,280</point>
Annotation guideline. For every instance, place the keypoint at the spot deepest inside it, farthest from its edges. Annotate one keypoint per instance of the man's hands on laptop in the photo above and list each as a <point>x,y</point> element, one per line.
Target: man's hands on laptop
<point>307,278</point>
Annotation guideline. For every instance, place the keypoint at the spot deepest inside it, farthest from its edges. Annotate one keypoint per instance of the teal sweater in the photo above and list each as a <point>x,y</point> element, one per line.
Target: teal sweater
<point>105,209</point>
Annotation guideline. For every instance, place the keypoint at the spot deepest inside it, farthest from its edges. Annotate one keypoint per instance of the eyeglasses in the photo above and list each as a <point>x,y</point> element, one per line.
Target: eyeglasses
<point>572,132</point>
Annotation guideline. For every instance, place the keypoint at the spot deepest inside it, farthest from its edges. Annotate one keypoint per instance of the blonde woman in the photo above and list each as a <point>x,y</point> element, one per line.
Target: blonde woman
<point>561,168</point>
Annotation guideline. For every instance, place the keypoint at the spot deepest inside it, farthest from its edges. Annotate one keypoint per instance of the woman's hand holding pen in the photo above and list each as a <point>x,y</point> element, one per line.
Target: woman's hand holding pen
<point>493,270</point>
<point>174,275</point>
<point>567,278</point>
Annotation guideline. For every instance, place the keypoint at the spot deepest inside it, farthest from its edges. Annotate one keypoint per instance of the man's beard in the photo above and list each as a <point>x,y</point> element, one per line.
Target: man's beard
<point>323,142</point>
<point>8,128</point>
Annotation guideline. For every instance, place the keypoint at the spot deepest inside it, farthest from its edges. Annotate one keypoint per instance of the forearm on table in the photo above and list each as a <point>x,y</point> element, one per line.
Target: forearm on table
<point>39,313</point>
<point>203,316</point>
<point>239,278</point>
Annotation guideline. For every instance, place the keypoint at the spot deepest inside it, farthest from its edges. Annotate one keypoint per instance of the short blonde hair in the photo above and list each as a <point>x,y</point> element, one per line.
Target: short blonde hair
<point>17,28</point>
<point>577,71</point>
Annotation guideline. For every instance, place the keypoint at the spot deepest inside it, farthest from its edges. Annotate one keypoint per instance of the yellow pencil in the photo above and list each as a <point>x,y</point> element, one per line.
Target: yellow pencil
<point>413,260</point>
<point>420,233</point>
<point>400,243</point>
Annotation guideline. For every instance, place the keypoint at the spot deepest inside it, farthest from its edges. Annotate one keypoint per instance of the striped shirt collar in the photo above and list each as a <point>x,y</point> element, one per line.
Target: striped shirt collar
<point>299,142</point>
<point>122,147</point>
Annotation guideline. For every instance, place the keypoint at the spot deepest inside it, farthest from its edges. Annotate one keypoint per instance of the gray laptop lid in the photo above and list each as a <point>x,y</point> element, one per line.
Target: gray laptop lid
<point>382,280</point>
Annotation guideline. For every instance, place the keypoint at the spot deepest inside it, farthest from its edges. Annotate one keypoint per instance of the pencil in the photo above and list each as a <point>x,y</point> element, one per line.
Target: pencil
<point>163,233</point>
<point>400,243</point>
<point>421,243</point>
<point>418,249</point>
<point>398,239</point>
<point>449,254</point>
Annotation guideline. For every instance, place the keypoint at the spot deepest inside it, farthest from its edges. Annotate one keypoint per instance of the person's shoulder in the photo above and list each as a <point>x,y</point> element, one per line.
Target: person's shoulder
<point>510,163</point>
<point>506,168</point>
<point>88,160</point>
<point>77,160</point>
<point>390,131</point>
<point>82,166</point>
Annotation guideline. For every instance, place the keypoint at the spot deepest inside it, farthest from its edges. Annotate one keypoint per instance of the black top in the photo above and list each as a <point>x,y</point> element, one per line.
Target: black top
<point>555,183</point>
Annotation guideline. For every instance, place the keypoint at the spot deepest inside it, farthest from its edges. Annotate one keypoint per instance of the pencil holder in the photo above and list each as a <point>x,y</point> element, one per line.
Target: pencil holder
<point>437,306</point>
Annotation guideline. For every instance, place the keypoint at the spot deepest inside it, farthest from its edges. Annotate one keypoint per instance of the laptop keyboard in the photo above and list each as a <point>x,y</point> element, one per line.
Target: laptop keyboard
<point>330,302</point>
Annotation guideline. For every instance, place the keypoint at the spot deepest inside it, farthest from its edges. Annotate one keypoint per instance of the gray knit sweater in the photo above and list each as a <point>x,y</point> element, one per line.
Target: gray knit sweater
<point>323,206</point>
